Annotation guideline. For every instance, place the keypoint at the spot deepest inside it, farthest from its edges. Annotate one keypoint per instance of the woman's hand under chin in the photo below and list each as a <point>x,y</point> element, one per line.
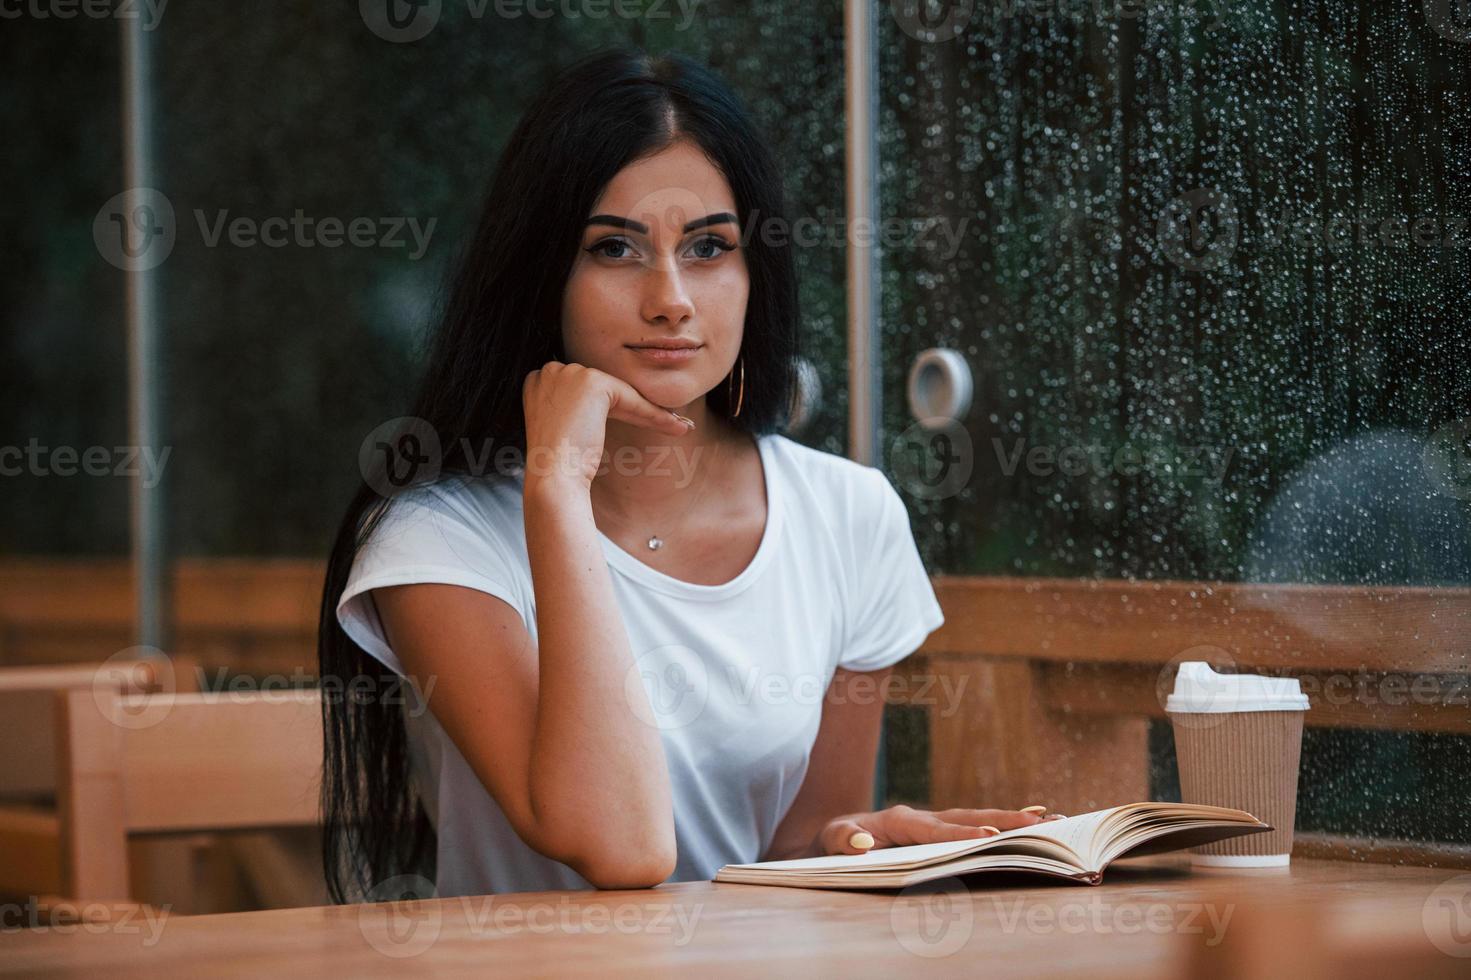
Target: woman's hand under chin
<point>901,825</point>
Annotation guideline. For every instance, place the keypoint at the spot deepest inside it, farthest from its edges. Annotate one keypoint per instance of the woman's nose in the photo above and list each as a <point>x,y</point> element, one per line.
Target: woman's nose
<point>665,295</point>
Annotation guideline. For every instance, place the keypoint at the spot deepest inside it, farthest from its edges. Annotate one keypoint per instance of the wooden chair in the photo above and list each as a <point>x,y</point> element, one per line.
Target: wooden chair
<point>141,765</point>
<point>30,842</point>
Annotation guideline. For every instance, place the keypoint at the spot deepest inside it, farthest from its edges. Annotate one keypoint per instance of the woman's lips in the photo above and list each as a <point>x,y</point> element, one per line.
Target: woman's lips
<point>666,355</point>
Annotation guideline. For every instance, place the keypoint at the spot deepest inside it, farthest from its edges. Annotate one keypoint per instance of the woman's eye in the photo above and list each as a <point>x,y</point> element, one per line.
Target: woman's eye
<point>715,243</point>
<point>603,247</point>
<point>706,248</point>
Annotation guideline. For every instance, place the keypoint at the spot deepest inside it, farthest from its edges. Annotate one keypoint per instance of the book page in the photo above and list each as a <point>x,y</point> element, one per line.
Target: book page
<point>1075,833</point>
<point>878,857</point>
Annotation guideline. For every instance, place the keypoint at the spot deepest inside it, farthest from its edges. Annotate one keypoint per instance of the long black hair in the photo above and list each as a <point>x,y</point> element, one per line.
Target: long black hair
<point>500,319</point>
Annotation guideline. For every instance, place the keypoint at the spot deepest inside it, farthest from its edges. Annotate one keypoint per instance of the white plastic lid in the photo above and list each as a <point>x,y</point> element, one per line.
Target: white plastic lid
<point>1200,689</point>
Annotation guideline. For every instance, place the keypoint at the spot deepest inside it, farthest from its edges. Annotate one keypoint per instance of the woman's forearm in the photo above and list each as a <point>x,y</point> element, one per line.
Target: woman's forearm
<point>599,782</point>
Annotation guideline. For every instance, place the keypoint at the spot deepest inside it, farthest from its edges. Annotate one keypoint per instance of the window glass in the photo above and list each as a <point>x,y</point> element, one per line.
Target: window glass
<point>1207,264</point>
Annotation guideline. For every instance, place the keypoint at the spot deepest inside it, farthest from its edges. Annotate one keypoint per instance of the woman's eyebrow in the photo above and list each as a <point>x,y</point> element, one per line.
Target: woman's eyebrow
<point>643,229</point>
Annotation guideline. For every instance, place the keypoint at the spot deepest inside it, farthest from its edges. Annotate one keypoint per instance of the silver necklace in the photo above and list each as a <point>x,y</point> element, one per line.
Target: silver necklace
<point>655,541</point>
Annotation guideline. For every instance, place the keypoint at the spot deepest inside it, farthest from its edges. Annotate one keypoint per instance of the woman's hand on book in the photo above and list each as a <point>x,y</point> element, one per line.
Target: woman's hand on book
<point>900,825</point>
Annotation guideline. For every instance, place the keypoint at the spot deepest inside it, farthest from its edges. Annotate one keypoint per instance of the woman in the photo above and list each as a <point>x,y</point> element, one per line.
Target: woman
<point>633,611</point>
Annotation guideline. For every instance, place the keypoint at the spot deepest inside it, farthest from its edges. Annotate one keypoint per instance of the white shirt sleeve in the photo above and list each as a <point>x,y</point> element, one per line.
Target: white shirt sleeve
<point>895,606</point>
<point>428,534</point>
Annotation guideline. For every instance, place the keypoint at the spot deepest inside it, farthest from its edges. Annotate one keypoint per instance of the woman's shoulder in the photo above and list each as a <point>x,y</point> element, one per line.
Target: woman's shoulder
<point>467,505</point>
<point>833,486</point>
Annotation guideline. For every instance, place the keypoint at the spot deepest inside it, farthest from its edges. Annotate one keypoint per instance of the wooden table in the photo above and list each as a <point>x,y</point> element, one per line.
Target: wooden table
<point>1151,917</point>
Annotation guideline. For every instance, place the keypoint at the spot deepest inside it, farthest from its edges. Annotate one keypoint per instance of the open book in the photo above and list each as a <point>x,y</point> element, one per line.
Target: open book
<point>1077,848</point>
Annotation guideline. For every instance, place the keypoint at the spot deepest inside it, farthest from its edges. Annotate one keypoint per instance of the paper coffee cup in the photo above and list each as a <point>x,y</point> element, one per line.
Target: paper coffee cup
<point>1238,743</point>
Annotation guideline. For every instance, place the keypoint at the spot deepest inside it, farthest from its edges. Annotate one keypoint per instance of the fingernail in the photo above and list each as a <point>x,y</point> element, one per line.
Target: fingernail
<point>1055,816</point>
<point>1034,808</point>
<point>688,422</point>
<point>993,830</point>
<point>862,840</point>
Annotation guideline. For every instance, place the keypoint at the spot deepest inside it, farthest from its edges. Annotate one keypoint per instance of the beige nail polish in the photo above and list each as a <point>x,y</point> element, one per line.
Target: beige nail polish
<point>1034,808</point>
<point>993,830</point>
<point>862,840</point>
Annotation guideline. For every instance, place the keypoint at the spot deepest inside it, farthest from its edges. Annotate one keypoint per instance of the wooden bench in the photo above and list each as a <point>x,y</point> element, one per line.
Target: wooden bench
<point>1059,678</point>
<point>1075,665</point>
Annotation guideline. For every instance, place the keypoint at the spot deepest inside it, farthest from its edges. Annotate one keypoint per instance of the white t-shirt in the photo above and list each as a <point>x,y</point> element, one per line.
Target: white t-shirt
<point>735,674</point>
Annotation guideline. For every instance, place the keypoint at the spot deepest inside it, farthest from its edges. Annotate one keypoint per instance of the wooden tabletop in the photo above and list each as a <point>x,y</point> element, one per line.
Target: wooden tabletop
<point>1152,917</point>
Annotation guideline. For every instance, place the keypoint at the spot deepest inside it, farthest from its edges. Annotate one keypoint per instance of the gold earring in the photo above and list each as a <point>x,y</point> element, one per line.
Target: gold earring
<point>741,396</point>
